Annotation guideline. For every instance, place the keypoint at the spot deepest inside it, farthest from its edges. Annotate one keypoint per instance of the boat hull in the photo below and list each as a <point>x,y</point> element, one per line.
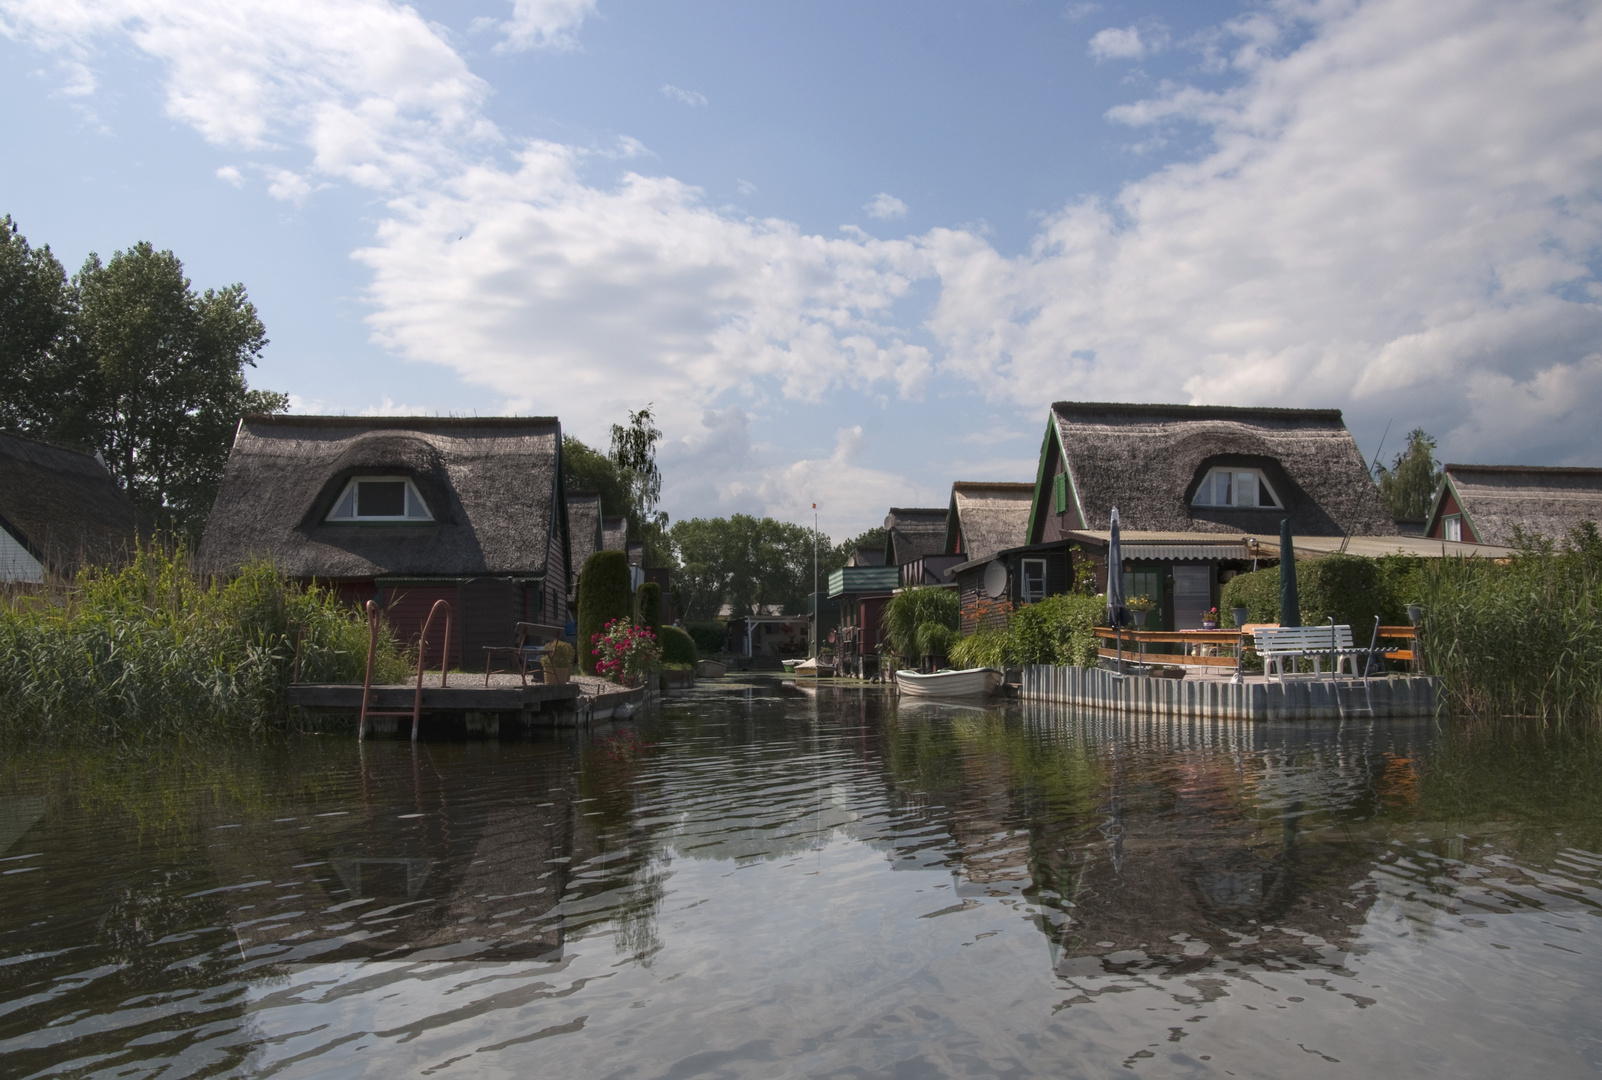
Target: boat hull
<point>968,683</point>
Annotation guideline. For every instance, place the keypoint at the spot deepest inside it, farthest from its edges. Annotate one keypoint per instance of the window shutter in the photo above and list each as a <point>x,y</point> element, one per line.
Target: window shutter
<point>1059,493</point>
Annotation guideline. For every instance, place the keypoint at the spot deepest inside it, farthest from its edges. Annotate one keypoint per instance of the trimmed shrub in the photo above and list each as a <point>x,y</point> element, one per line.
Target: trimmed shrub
<point>603,596</point>
<point>677,646</point>
<point>648,607</point>
<point>1348,588</point>
<point>985,647</point>
<point>709,636</point>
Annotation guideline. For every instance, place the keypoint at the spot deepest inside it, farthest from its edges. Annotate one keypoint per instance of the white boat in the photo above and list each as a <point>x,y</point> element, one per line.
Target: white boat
<point>967,683</point>
<point>813,669</point>
<point>711,669</point>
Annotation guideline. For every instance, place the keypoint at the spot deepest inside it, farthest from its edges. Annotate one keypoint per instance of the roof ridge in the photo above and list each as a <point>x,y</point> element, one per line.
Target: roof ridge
<point>323,420</point>
<point>1572,470</point>
<point>1198,411</point>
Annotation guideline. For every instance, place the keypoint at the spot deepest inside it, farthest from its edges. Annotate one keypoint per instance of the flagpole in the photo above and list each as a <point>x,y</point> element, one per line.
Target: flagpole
<point>816,648</point>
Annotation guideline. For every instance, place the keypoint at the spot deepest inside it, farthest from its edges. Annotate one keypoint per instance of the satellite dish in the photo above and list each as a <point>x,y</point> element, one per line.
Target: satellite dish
<point>996,580</point>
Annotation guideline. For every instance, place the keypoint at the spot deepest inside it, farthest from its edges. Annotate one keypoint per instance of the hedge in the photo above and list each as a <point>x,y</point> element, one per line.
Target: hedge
<point>677,646</point>
<point>1349,588</point>
<point>709,636</point>
<point>1057,630</point>
<point>603,595</point>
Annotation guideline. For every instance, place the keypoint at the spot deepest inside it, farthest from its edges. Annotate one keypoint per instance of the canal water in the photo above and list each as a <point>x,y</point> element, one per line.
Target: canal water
<point>760,880</point>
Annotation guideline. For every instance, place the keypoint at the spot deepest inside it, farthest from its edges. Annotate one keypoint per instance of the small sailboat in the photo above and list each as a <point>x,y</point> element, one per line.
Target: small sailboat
<point>966,683</point>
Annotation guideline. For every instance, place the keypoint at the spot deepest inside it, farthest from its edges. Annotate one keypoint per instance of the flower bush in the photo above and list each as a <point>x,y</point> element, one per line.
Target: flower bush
<point>625,652</point>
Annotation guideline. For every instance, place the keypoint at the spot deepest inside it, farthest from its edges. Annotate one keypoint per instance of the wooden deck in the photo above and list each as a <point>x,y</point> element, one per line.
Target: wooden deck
<point>484,707</point>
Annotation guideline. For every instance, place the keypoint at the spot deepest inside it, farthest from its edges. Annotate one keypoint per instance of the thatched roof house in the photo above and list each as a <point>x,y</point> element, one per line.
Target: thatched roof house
<point>405,510</point>
<point>615,534</point>
<point>1485,504</point>
<point>1203,468</point>
<point>985,518</point>
<point>584,533</point>
<point>60,510</point>
<point>914,533</point>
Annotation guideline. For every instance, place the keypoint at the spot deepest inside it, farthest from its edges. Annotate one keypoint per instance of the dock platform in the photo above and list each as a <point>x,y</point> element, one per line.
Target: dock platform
<point>1254,698</point>
<point>484,708</point>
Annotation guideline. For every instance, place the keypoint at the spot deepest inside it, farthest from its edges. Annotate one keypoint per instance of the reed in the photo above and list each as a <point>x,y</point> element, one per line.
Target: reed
<point>152,651</point>
<point>1521,638</point>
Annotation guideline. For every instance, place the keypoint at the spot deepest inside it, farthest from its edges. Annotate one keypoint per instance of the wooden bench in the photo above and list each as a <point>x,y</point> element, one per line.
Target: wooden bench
<point>1277,644</point>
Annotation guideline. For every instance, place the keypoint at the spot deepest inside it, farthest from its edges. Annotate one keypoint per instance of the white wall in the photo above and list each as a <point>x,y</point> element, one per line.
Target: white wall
<point>15,562</point>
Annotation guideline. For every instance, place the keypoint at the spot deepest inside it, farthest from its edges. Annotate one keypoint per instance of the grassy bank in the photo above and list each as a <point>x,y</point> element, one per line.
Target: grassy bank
<point>151,652</point>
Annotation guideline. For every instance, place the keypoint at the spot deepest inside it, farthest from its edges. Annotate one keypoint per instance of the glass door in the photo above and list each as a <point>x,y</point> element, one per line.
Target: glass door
<point>1146,581</point>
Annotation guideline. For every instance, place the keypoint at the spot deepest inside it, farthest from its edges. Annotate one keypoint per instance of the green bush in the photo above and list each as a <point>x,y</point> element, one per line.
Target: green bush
<point>1348,588</point>
<point>709,636</point>
<point>648,608</point>
<point>677,646</point>
<point>152,651</point>
<point>911,608</point>
<point>1057,630</point>
<point>986,647</point>
<point>603,595</point>
<point>935,639</point>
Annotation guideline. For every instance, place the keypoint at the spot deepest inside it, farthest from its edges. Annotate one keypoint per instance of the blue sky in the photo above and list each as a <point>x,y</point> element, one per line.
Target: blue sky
<point>853,251</point>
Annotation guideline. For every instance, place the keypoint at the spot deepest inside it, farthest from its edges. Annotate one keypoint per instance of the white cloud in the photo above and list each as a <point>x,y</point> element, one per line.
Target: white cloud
<point>1401,216</point>
<point>689,97</point>
<point>1129,43</point>
<point>288,186</point>
<point>230,175</point>
<point>885,206</point>
<point>1075,12</point>
<point>544,24</point>
<point>745,187</point>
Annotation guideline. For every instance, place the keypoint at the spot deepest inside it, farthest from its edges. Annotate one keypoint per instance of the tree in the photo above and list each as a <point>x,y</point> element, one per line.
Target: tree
<point>874,539</point>
<point>127,360</point>
<point>587,469</point>
<point>749,563</point>
<point>626,478</point>
<point>1408,487</point>
<point>41,371</point>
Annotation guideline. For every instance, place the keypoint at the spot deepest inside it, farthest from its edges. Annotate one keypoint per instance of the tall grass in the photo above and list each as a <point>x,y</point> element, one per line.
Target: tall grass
<point>1521,638</point>
<point>152,651</point>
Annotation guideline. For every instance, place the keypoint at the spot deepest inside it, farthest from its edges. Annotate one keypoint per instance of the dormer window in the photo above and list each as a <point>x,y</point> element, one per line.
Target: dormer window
<point>1235,487</point>
<point>380,498</point>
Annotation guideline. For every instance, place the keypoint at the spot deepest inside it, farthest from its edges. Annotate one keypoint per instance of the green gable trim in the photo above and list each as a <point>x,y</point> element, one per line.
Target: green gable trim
<point>1063,482</point>
<point>1462,511</point>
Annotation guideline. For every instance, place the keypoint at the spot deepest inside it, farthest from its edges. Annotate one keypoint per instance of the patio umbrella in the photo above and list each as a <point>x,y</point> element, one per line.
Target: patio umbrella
<point>1290,608</point>
<point>1117,614</point>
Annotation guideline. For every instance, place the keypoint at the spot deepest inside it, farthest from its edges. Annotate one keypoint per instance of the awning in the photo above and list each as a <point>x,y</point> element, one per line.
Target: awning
<point>1184,552</point>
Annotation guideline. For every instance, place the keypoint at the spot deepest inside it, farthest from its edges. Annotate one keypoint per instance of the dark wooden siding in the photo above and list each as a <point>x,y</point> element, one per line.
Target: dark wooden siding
<point>554,588</point>
<point>407,606</point>
<point>490,611</point>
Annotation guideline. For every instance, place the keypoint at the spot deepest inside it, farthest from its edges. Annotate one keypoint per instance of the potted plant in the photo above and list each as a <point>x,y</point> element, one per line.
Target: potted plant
<point>1242,616</point>
<point>1138,607</point>
<point>1210,619</point>
<point>558,662</point>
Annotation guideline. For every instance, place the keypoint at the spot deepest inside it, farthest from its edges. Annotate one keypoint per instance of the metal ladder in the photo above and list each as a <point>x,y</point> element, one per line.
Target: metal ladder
<point>416,712</point>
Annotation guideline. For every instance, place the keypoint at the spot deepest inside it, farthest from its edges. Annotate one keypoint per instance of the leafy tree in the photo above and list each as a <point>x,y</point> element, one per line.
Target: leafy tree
<point>626,478</point>
<point>874,539</point>
<point>1408,486</point>
<point>585,468</point>
<point>749,563</point>
<point>128,360</point>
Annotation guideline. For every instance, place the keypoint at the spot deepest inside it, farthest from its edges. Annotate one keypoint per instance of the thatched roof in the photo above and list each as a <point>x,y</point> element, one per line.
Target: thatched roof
<point>583,529</point>
<point>615,534</point>
<point>1498,498</point>
<point>63,506</point>
<point>988,517</point>
<point>1148,460</point>
<point>491,484</point>
<point>866,557</point>
<point>914,533</point>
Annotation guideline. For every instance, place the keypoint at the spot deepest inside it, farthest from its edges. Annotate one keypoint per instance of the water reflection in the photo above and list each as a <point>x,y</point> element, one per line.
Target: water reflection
<point>771,880</point>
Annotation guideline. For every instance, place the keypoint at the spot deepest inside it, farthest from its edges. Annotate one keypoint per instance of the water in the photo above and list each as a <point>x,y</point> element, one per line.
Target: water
<point>770,882</point>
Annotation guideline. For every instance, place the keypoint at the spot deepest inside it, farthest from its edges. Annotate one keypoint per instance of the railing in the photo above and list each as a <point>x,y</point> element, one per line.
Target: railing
<point>422,651</point>
<point>1135,641</point>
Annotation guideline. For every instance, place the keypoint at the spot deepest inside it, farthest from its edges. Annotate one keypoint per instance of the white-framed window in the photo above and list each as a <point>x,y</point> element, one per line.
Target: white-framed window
<point>380,498</point>
<point>1452,527</point>
<point>1032,580</point>
<point>1235,487</point>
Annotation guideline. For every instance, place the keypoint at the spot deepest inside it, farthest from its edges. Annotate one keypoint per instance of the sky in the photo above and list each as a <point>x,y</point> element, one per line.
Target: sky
<point>851,252</point>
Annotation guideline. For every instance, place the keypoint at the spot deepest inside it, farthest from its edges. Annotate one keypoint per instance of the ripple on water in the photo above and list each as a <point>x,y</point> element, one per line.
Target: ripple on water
<point>788,884</point>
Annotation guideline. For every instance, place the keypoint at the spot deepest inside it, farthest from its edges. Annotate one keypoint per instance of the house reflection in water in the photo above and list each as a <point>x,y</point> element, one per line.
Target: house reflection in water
<point>419,870</point>
<point>1166,845</point>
